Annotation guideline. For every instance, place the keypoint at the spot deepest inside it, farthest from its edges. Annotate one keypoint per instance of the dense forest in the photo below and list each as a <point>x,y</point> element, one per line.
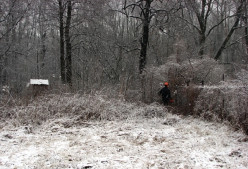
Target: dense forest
<point>89,44</point>
<point>104,63</point>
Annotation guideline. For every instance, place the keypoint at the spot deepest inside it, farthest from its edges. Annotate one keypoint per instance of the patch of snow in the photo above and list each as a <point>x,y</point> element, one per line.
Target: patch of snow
<point>170,142</point>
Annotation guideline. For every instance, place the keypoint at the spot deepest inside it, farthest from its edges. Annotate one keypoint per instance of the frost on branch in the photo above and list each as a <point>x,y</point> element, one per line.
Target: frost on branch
<point>228,101</point>
<point>187,72</point>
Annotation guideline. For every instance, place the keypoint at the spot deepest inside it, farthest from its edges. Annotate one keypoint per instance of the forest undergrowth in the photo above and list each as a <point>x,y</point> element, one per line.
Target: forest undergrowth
<point>86,107</point>
<point>220,103</point>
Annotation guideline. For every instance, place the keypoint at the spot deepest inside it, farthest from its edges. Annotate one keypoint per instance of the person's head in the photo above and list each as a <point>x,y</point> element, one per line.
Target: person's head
<point>166,84</point>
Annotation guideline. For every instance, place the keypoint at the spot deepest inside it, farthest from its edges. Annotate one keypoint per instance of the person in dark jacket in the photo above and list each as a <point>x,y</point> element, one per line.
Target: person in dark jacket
<point>165,93</point>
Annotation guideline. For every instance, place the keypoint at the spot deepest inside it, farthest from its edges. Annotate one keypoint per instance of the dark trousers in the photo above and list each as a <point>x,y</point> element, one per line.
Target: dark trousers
<point>166,102</point>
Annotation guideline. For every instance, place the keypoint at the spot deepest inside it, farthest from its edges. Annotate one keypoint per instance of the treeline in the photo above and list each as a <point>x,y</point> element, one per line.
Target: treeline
<point>91,44</point>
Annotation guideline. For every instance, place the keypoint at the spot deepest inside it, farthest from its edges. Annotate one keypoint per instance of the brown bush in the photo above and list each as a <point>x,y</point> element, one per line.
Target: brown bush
<point>185,98</point>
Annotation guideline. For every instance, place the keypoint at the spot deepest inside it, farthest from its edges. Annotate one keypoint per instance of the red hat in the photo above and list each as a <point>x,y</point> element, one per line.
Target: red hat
<point>166,84</point>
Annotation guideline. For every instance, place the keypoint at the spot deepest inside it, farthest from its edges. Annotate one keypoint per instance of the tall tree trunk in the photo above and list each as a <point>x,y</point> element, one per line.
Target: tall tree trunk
<point>202,19</point>
<point>202,43</point>
<point>202,14</point>
<point>62,44</point>
<point>246,36</point>
<point>246,26</point>
<point>42,25</point>
<point>68,44</point>
<point>43,51</point>
<point>234,27</point>
<point>145,36</point>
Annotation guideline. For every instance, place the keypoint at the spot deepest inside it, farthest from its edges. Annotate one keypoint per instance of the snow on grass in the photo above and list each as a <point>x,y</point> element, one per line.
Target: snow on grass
<point>166,142</point>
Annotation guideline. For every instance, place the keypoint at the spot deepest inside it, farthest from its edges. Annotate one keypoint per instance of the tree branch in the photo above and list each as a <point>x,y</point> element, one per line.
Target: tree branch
<point>211,29</point>
<point>234,27</point>
<point>191,24</point>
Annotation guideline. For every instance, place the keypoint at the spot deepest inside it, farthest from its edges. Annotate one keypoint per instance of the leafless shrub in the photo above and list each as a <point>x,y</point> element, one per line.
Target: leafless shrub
<point>185,99</point>
<point>187,72</point>
<point>228,101</point>
<point>81,107</point>
<point>197,70</point>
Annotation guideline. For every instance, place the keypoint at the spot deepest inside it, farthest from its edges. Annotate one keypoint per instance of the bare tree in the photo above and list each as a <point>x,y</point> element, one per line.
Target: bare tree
<point>65,41</point>
<point>62,43</point>
<point>147,10</point>
<point>204,11</point>
<point>245,19</point>
<point>239,11</point>
<point>202,14</point>
<point>145,16</point>
<point>68,44</point>
<point>12,14</point>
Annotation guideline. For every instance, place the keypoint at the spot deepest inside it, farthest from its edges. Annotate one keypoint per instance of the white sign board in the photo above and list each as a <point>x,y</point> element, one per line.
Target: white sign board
<point>39,82</point>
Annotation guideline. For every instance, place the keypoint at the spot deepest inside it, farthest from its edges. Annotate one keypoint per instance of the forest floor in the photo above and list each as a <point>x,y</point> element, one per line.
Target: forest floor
<point>169,142</point>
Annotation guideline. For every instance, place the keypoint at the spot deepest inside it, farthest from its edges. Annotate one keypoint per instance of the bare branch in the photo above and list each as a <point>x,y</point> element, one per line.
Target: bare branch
<point>190,24</point>
<point>212,28</point>
<point>208,11</point>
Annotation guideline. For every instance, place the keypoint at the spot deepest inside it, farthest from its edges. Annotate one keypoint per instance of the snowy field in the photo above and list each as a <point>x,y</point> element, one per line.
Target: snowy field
<point>169,142</point>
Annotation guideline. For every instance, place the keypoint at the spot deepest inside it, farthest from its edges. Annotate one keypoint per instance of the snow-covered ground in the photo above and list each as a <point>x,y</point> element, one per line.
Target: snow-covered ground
<point>169,142</point>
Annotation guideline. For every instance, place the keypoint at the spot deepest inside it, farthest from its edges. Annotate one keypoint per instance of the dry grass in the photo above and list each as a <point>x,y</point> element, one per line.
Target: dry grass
<point>82,107</point>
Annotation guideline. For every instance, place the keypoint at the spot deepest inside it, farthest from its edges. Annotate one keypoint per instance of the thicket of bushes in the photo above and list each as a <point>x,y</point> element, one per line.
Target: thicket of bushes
<point>228,101</point>
<point>79,107</point>
<point>214,99</point>
<point>202,88</point>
